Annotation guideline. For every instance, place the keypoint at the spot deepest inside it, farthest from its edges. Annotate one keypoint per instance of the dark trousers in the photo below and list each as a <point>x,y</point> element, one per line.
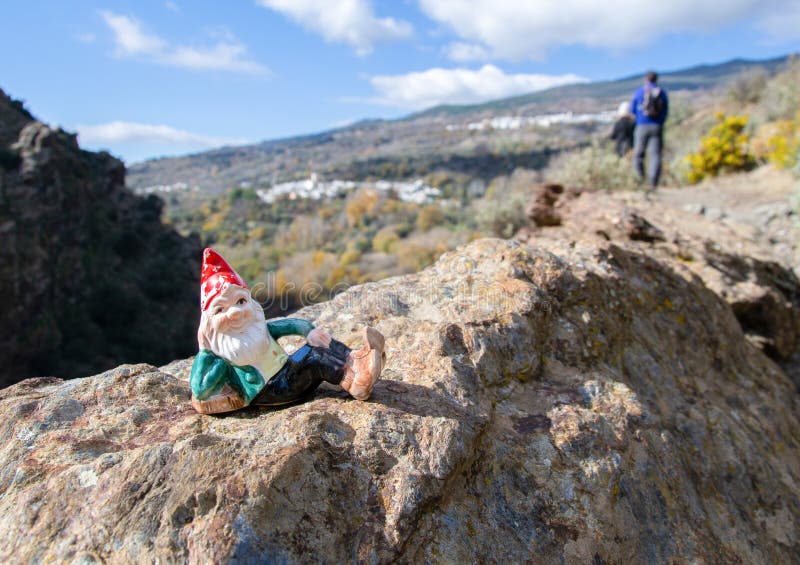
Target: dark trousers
<point>304,372</point>
<point>648,137</point>
<point>622,134</point>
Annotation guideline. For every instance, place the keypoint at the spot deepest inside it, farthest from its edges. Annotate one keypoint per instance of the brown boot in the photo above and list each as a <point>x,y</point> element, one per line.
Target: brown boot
<point>364,366</point>
<point>226,400</point>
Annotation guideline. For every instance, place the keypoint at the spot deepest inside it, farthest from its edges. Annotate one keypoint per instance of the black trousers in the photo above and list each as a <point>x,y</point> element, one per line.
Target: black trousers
<point>303,373</point>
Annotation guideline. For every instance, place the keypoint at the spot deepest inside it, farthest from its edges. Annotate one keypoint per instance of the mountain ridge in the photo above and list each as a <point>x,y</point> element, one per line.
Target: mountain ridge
<point>670,79</point>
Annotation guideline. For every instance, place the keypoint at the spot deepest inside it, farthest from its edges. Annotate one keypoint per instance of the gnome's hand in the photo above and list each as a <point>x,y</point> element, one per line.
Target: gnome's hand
<point>319,337</point>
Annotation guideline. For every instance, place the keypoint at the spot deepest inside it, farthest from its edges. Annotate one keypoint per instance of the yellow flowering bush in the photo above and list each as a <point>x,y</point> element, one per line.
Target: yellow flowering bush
<point>783,147</point>
<point>724,149</point>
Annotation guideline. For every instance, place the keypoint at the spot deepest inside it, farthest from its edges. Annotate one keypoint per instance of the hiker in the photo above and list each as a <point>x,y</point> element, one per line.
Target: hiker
<point>622,133</point>
<point>650,106</point>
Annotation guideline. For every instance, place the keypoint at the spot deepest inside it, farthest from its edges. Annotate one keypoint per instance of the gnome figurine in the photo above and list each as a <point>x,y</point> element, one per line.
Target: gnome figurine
<point>240,362</point>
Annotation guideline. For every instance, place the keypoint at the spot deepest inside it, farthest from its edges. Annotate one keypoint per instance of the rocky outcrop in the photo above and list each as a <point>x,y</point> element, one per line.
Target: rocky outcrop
<point>548,198</point>
<point>577,402</point>
<point>89,276</point>
<point>752,274</point>
<point>14,118</point>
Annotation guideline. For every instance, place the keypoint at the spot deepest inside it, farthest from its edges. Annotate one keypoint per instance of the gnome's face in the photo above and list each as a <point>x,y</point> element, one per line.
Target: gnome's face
<point>233,327</point>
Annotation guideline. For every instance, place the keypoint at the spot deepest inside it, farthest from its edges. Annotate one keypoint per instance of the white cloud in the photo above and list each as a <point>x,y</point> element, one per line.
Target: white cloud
<point>459,86</point>
<point>131,132</point>
<point>86,37</point>
<point>463,52</point>
<point>172,7</point>
<point>129,36</point>
<point>349,21</point>
<point>525,29</point>
<point>224,56</point>
<point>227,54</point>
<point>782,24</point>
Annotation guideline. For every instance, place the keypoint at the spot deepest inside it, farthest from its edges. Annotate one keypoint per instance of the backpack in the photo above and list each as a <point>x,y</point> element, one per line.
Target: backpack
<point>653,103</point>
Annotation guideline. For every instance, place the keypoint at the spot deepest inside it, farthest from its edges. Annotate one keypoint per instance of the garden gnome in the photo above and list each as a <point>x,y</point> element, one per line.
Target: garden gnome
<point>241,363</point>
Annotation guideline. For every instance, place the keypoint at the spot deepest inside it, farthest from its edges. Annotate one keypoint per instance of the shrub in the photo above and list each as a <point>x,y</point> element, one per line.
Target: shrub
<point>501,212</point>
<point>385,240</point>
<point>360,207</point>
<point>502,217</point>
<point>403,229</point>
<point>430,216</point>
<point>304,233</point>
<point>337,276</point>
<point>258,233</point>
<point>724,149</point>
<point>595,166</point>
<point>419,251</point>
<point>349,257</point>
<point>214,221</point>
<point>779,143</point>
<point>247,194</point>
<point>748,87</point>
<point>782,97</point>
<point>326,212</point>
<point>303,278</point>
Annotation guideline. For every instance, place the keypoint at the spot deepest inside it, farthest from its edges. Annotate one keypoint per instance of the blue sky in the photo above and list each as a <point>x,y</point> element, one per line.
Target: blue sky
<point>150,78</point>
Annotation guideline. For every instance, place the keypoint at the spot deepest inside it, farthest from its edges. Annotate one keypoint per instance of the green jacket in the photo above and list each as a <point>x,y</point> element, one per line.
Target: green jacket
<point>211,372</point>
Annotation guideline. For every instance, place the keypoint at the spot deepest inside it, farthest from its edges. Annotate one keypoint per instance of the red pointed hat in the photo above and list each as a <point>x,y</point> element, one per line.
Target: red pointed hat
<point>215,276</point>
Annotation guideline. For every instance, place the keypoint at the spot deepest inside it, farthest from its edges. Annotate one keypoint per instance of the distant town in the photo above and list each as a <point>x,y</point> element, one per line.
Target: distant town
<point>314,189</point>
<point>544,121</point>
<point>409,191</point>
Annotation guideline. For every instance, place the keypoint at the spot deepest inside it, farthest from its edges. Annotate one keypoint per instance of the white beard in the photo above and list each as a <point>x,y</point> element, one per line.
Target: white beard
<point>244,346</point>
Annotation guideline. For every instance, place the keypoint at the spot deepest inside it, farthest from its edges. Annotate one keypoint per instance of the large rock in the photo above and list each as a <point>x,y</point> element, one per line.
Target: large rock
<point>583,403</point>
<point>89,275</point>
<point>748,268</point>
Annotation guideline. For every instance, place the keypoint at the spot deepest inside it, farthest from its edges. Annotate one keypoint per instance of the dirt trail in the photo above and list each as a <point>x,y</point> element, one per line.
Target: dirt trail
<point>762,206</point>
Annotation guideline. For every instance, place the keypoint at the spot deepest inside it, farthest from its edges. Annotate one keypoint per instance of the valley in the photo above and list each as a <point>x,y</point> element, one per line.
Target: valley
<point>304,218</point>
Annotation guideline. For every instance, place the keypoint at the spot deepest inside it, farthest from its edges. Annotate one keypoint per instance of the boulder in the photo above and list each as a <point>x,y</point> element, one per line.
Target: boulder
<point>579,402</point>
<point>732,258</point>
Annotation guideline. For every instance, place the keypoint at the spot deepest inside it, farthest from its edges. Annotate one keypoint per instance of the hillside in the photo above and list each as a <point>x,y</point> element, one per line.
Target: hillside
<point>356,214</point>
<point>89,274</point>
<point>422,143</point>
<point>370,150</point>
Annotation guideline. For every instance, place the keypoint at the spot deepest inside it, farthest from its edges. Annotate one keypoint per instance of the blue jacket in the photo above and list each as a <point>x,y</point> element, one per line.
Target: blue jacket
<point>638,100</point>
